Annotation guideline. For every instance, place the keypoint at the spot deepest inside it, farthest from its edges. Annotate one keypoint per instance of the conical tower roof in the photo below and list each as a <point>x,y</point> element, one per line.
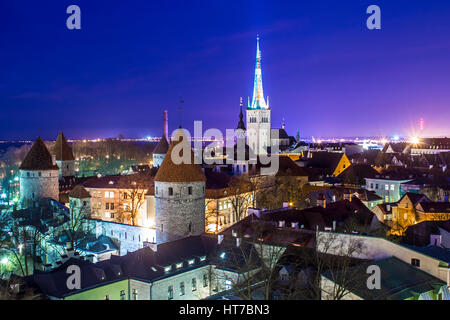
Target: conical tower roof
<point>79,192</point>
<point>62,150</point>
<point>38,158</point>
<point>162,146</point>
<point>171,172</point>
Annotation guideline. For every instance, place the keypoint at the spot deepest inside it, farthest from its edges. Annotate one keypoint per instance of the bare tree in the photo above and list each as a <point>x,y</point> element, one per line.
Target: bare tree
<point>132,190</point>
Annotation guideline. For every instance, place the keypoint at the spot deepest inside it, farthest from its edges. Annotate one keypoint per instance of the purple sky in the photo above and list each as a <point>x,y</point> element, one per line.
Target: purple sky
<point>324,71</point>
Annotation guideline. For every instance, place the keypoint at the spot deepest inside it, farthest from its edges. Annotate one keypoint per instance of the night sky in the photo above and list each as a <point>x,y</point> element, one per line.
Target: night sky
<point>323,70</point>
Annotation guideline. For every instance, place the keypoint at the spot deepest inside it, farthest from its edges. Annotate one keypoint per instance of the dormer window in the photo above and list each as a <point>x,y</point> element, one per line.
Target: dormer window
<point>191,262</point>
<point>203,258</point>
<point>179,265</point>
<point>167,269</point>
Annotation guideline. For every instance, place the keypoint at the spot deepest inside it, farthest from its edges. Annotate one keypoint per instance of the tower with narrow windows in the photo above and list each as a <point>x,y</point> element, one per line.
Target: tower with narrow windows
<point>64,157</point>
<point>258,112</point>
<point>38,176</point>
<point>179,194</point>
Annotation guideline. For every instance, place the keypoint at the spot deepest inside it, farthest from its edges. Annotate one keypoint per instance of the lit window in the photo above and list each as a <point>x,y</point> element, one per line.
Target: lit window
<point>392,187</point>
<point>122,294</point>
<point>111,194</point>
<point>135,294</point>
<point>191,262</point>
<point>386,187</point>
<point>167,269</point>
<point>107,195</point>
<point>179,265</point>
<point>203,258</point>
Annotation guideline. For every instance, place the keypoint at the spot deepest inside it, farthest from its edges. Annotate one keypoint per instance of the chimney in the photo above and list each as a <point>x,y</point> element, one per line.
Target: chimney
<point>321,201</point>
<point>166,125</point>
<point>219,238</point>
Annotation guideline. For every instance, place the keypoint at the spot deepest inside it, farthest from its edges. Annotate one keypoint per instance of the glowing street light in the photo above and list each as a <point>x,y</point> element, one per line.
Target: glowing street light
<point>415,140</point>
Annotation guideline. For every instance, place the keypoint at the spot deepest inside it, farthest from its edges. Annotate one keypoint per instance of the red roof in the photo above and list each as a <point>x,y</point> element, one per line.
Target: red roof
<point>38,158</point>
<point>183,172</point>
<point>62,149</point>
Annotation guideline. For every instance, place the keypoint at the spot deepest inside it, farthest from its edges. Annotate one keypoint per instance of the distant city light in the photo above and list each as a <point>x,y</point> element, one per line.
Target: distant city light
<point>415,140</point>
<point>396,138</point>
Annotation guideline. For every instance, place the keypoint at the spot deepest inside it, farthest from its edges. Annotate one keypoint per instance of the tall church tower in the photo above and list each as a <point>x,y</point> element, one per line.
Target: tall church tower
<point>258,112</point>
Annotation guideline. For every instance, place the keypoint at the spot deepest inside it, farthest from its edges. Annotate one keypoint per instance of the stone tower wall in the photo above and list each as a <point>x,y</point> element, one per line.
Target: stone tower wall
<point>174,214</point>
<point>66,168</point>
<point>36,185</point>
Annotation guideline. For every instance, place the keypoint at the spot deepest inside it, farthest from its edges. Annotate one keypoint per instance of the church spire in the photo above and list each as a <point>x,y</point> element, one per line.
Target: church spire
<point>241,124</point>
<point>258,101</point>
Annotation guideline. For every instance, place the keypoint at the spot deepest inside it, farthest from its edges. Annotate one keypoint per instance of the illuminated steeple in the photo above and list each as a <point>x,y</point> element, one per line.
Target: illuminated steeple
<point>258,101</point>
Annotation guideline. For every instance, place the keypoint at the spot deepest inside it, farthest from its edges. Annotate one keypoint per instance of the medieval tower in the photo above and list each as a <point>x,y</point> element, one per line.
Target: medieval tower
<point>64,157</point>
<point>38,176</point>
<point>258,113</point>
<point>179,194</point>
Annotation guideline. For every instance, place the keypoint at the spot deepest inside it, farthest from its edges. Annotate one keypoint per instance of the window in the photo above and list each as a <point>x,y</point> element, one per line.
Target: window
<point>107,297</point>
<point>107,195</point>
<point>179,265</point>
<point>112,206</point>
<point>170,293</point>
<point>122,294</point>
<point>39,174</point>
<point>125,195</point>
<point>227,284</point>
<point>182,291</point>
<point>135,294</point>
<point>170,191</point>
<point>107,206</point>
<point>371,186</point>
<point>386,187</point>
<point>194,284</point>
<point>190,190</point>
<point>376,186</point>
<point>392,187</point>
<point>205,280</point>
<point>28,174</point>
<point>415,262</point>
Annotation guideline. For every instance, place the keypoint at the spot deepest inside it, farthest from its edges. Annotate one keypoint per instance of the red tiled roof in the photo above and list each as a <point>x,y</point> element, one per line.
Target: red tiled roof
<point>79,192</point>
<point>62,149</point>
<point>162,146</point>
<point>183,172</point>
<point>38,158</point>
